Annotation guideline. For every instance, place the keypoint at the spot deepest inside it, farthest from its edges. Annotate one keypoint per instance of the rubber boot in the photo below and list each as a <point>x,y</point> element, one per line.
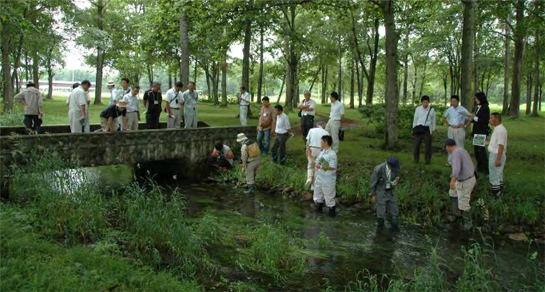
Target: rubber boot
<point>310,175</point>
<point>394,223</point>
<point>380,223</point>
<point>319,207</point>
<point>332,211</point>
<point>468,224</point>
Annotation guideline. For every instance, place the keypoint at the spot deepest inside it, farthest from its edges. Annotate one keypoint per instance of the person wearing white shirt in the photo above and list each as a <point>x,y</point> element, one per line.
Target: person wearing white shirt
<point>120,94</point>
<point>326,176</point>
<point>113,92</point>
<point>244,102</point>
<point>314,146</point>
<point>423,127</point>
<point>497,149</point>
<point>189,100</point>
<point>455,118</point>
<point>307,109</point>
<point>173,101</point>
<point>334,124</point>
<point>77,107</point>
<point>281,131</point>
<point>133,108</point>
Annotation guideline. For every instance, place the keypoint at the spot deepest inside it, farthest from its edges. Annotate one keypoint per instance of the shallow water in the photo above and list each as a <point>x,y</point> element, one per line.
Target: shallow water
<point>353,242</point>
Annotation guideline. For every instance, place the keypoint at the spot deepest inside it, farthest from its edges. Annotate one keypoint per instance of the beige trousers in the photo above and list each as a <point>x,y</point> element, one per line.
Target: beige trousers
<point>132,121</point>
<point>462,191</point>
<point>311,172</point>
<point>332,128</point>
<point>251,169</point>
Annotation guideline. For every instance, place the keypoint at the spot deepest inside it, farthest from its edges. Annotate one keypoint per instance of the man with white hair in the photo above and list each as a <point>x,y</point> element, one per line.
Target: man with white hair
<point>307,109</point>
<point>152,103</point>
<point>313,145</point>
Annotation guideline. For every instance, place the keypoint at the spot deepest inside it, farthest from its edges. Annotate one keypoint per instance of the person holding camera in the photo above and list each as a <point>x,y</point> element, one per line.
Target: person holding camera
<point>173,104</point>
<point>423,127</point>
<point>221,157</point>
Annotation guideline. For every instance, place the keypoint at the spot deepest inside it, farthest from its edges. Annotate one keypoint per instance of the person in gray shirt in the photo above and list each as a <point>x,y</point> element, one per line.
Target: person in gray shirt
<point>462,182</point>
<point>32,99</point>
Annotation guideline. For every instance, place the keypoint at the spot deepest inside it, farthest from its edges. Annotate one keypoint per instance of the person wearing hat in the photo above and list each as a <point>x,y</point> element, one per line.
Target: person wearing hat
<point>32,99</point>
<point>250,160</point>
<point>326,176</point>
<point>383,181</point>
<point>462,182</point>
<point>313,148</point>
<point>113,93</point>
<point>265,126</point>
<point>108,117</point>
<point>77,107</point>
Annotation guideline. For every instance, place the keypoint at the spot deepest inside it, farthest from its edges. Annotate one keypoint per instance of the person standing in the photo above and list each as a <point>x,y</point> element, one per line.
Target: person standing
<point>326,176</point>
<point>480,127</point>
<point>113,93</point>
<point>133,108</point>
<point>334,124</point>
<point>244,102</point>
<point>152,103</point>
<point>189,100</point>
<point>250,160</point>
<point>32,99</point>
<point>87,126</point>
<point>308,110</point>
<point>497,150</point>
<point>423,127</point>
<point>281,135</point>
<point>455,119</point>
<point>108,117</point>
<point>120,94</point>
<point>265,126</point>
<point>383,181</point>
<point>173,101</point>
<point>314,146</point>
<point>462,182</point>
<point>77,107</point>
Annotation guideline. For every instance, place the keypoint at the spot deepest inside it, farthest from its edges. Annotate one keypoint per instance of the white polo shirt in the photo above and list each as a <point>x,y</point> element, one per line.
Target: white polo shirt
<point>315,135</point>
<point>77,99</point>
<point>282,124</point>
<point>327,158</point>
<point>499,137</point>
<point>174,98</point>
<point>337,110</point>
<point>312,105</point>
<point>245,99</point>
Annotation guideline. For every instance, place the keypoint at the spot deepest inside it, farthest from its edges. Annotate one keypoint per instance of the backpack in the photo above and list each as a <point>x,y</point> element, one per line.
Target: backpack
<point>252,148</point>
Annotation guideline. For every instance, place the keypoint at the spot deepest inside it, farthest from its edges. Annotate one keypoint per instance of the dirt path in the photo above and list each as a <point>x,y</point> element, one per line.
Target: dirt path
<point>345,123</point>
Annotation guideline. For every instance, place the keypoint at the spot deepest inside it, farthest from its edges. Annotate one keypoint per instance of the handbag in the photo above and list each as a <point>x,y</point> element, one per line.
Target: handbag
<point>300,113</point>
<point>341,134</point>
<point>420,129</point>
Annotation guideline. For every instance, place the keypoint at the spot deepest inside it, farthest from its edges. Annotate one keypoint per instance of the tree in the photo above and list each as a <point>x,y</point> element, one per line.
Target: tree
<point>514,107</point>
<point>467,52</point>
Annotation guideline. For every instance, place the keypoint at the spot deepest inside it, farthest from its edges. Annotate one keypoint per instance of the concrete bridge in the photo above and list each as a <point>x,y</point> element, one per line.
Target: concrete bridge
<point>186,150</point>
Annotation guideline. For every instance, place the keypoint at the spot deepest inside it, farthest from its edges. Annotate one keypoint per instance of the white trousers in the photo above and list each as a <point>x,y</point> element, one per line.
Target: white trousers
<point>132,121</point>
<point>332,128</point>
<point>74,118</point>
<point>243,115</point>
<point>190,119</point>
<point>324,191</point>
<point>174,121</point>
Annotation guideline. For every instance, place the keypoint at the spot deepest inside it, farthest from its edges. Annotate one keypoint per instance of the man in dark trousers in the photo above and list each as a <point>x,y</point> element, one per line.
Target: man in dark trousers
<point>383,181</point>
<point>423,128</point>
<point>152,103</point>
<point>480,127</point>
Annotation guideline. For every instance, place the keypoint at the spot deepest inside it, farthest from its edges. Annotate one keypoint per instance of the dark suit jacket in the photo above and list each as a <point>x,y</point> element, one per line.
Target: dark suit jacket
<point>481,126</point>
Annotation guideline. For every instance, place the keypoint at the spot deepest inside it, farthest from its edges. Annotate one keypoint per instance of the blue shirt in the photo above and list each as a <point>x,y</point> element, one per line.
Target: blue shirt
<point>190,100</point>
<point>456,115</point>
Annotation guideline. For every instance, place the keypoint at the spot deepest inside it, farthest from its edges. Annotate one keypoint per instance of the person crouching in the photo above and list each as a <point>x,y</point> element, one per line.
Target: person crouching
<point>108,117</point>
<point>326,176</point>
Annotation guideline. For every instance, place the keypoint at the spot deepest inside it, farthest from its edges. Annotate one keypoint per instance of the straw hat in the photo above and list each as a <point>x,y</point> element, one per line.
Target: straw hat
<point>110,83</point>
<point>241,137</point>
<point>122,104</point>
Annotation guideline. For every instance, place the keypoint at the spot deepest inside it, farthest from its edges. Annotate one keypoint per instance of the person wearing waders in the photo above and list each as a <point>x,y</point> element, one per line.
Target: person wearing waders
<point>383,181</point>
<point>250,160</point>
<point>462,182</point>
<point>326,176</point>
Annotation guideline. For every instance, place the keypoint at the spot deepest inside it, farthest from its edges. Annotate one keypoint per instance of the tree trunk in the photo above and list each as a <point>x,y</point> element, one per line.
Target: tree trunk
<point>215,82</point>
<point>324,88</point>
<point>406,62</point>
<point>373,64</point>
<point>100,54</point>
<point>7,85</point>
<point>420,93</point>
<point>246,50</point>
<point>340,80</point>
<point>260,79</point>
<point>467,52</point>
<point>529,94</point>
<point>506,64</point>
<point>208,81</point>
<point>352,93</point>
<point>184,42</point>
<point>391,97</point>
<point>315,78</point>
<point>514,107</point>
<point>50,76</point>
<point>195,70</point>
<point>535,112</point>
<point>224,81</point>
<point>169,78</point>
<point>282,87</point>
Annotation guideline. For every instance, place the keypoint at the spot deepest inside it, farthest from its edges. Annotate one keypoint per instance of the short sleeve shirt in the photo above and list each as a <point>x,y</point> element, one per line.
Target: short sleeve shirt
<point>499,137</point>
<point>174,98</point>
<point>456,115</point>
<point>312,105</point>
<point>282,124</point>
<point>337,110</point>
<point>113,112</point>
<point>245,99</point>
<point>327,158</point>
<point>314,137</point>
<point>77,99</point>
<point>190,100</point>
